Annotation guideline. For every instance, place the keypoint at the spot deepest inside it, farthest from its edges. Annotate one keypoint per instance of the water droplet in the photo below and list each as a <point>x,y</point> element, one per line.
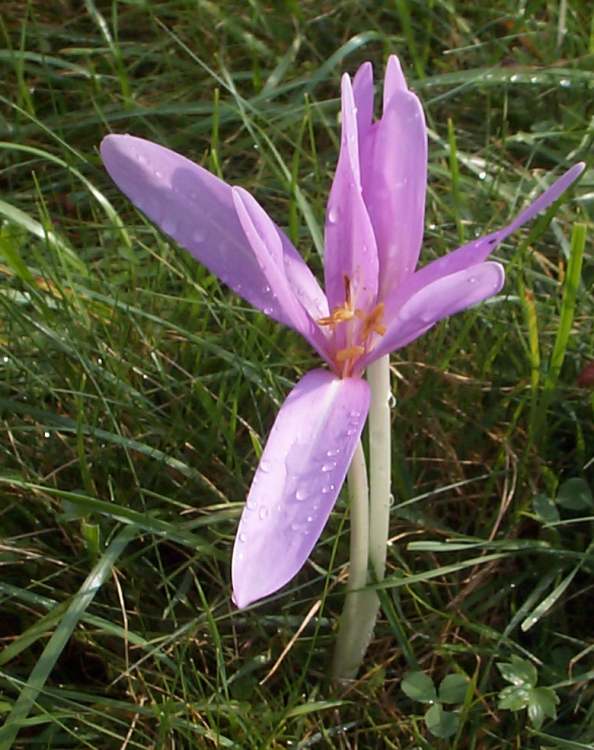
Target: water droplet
<point>534,79</point>
<point>301,495</point>
<point>514,78</point>
<point>268,310</point>
<point>391,400</point>
<point>242,537</point>
<point>329,466</point>
<point>332,216</point>
<point>327,489</point>
<point>355,414</point>
<point>472,280</point>
<point>47,434</point>
<point>158,174</point>
<point>5,359</point>
<point>263,512</point>
<point>392,500</point>
<point>333,452</point>
<point>310,519</point>
<point>266,289</point>
<point>350,432</point>
<point>482,175</point>
<point>251,504</point>
<point>265,466</point>
<point>99,361</point>
<point>565,82</point>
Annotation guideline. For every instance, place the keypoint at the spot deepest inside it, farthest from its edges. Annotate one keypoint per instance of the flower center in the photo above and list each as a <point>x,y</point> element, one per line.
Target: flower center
<point>357,334</point>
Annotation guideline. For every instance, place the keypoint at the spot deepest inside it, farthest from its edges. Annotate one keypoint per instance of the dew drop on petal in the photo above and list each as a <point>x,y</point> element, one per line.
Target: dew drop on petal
<point>300,495</point>
<point>251,504</point>
<point>263,512</point>
<point>264,466</point>
<point>243,537</point>
<point>329,466</point>
<point>333,452</point>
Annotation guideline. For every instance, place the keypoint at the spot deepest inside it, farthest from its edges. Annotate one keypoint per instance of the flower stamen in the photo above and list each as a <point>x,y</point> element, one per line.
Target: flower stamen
<point>350,352</point>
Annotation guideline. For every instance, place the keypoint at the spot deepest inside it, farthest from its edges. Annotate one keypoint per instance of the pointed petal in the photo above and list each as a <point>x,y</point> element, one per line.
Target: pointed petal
<point>350,243</point>
<point>394,80</point>
<point>439,299</point>
<point>297,482</point>
<point>479,249</point>
<point>266,244</point>
<point>196,209</point>
<point>394,176</point>
<point>363,97</point>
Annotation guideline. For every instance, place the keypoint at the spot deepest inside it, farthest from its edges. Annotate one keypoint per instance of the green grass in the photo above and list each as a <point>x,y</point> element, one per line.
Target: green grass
<point>136,392</point>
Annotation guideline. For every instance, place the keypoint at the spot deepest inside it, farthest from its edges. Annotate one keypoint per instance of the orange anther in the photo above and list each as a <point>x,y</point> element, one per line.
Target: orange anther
<point>373,322</point>
<point>351,352</point>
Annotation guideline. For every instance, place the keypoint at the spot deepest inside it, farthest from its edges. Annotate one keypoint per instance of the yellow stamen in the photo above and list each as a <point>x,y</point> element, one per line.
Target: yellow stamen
<point>351,352</point>
<point>373,322</point>
<point>339,315</point>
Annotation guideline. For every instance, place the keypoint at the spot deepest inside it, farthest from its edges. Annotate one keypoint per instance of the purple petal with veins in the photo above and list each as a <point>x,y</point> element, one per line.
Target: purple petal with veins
<point>196,208</point>
<point>300,474</point>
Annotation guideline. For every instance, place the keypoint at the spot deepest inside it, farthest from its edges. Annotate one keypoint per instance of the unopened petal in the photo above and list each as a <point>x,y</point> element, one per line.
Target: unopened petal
<point>363,98</point>
<point>439,299</point>
<point>393,80</point>
<point>394,178</point>
<point>350,256</point>
<point>300,474</point>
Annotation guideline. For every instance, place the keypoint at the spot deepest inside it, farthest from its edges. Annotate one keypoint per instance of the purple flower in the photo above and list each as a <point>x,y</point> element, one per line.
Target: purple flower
<point>375,300</point>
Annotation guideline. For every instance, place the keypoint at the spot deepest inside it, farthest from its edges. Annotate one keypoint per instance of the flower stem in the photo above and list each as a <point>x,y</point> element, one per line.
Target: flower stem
<point>380,457</point>
<point>370,525</point>
<point>356,622</point>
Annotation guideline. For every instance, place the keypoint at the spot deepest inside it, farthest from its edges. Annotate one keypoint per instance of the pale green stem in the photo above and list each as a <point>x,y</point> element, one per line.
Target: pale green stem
<point>380,457</point>
<point>370,524</point>
<point>355,624</point>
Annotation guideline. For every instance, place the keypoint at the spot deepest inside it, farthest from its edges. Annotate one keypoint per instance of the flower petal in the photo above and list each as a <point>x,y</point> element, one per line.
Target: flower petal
<point>301,471</point>
<point>394,80</point>
<point>195,208</point>
<point>265,241</point>
<point>363,98</point>
<point>439,299</point>
<point>350,243</point>
<point>394,177</point>
<point>479,249</point>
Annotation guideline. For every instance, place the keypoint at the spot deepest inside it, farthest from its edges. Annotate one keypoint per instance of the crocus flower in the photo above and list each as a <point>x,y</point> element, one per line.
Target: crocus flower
<point>374,302</point>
